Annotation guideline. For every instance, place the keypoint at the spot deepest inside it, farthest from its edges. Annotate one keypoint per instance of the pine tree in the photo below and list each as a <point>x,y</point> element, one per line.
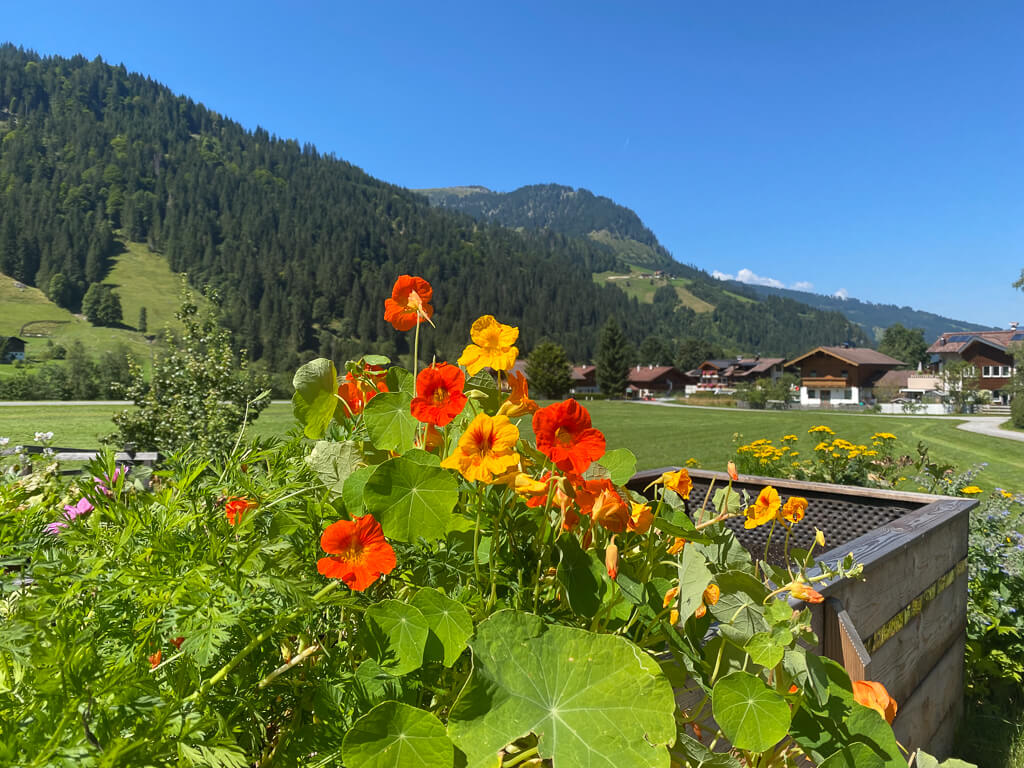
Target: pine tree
<point>612,360</point>
<point>142,325</point>
<point>548,370</point>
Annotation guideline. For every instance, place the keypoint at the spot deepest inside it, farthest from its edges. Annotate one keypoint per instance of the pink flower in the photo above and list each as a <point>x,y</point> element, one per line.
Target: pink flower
<point>101,484</point>
<point>83,507</point>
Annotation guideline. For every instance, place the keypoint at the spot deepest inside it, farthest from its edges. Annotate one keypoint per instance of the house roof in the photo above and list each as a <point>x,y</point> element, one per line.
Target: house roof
<point>852,355</point>
<point>752,366</point>
<point>954,342</point>
<point>895,378</point>
<point>579,372</point>
<point>642,374</point>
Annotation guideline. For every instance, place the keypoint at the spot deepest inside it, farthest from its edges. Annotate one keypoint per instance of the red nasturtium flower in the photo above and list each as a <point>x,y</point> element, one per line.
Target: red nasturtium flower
<point>357,391</point>
<point>237,506</point>
<point>154,659</point>
<point>874,695</point>
<point>176,642</point>
<point>565,436</point>
<point>439,397</point>
<point>358,553</point>
<point>409,303</point>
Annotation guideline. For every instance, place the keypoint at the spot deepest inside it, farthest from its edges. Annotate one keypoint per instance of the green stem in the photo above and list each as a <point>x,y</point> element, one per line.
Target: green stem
<point>785,551</point>
<point>524,755</point>
<point>490,560</point>
<point>476,540</point>
<point>415,351</point>
<point>256,642</point>
<point>767,544</point>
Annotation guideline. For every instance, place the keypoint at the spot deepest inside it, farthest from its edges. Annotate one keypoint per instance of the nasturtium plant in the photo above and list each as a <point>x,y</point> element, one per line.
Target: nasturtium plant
<point>413,585</point>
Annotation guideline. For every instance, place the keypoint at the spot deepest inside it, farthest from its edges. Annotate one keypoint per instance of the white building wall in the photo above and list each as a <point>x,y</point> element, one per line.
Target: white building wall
<point>812,397</point>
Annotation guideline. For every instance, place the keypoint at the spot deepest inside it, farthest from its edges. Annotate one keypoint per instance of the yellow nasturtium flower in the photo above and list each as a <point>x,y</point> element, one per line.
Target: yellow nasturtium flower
<point>486,449</point>
<point>493,347</point>
<point>764,509</point>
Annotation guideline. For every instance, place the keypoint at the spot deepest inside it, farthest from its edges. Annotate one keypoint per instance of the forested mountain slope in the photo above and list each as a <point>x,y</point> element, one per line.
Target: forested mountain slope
<point>304,247</point>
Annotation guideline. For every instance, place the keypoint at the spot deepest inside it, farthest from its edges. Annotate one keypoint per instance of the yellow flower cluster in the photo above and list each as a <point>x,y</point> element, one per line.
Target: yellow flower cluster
<point>820,428</point>
<point>840,448</point>
<point>765,452</point>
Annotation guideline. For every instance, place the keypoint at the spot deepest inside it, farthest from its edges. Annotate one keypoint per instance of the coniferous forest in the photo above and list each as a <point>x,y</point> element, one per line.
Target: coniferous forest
<point>302,246</point>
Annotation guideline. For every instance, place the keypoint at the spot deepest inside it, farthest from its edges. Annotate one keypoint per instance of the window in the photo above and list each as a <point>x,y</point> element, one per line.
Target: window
<point>986,371</point>
<point>1007,371</point>
<point>812,394</point>
<point>847,394</point>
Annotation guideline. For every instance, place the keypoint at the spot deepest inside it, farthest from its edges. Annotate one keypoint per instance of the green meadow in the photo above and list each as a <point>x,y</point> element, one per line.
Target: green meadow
<point>659,436</point>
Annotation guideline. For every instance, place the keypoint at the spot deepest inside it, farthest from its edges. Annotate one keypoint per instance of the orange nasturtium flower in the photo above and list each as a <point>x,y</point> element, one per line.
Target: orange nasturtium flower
<point>154,659</point>
<point>519,402</point>
<point>802,591</point>
<point>409,303</point>
<point>357,391</point>
<point>764,509</point>
<point>678,481</point>
<point>492,348</point>
<point>486,449</point>
<point>565,436</point>
<point>670,597</point>
<point>640,517</point>
<point>602,502</point>
<point>439,397</point>
<point>733,474</point>
<point>358,553</point>
<point>236,506</point>
<point>709,598</point>
<point>874,695</point>
<point>794,509</point>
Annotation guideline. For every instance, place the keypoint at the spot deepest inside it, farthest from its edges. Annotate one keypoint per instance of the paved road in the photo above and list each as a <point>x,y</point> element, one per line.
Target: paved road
<point>989,425</point>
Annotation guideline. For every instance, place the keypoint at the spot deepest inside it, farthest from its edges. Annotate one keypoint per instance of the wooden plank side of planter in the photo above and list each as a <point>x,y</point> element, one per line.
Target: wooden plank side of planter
<point>901,559</point>
<point>907,658</point>
<point>930,716</point>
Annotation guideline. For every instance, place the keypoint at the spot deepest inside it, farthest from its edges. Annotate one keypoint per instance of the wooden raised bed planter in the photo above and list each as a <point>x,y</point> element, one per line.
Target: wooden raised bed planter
<point>905,624</point>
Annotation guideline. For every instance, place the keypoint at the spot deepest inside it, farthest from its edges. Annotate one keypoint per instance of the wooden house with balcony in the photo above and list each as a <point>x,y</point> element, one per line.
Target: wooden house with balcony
<point>647,381</point>
<point>989,355</point>
<point>831,376</point>
<point>718,375</point>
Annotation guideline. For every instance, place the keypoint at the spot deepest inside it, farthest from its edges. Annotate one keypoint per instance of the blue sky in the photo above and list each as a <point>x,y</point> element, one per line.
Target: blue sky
<point>874,148</point>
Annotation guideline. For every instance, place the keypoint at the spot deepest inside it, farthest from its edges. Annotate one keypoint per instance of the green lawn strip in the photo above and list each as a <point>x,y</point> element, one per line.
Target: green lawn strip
<point>659,436</point>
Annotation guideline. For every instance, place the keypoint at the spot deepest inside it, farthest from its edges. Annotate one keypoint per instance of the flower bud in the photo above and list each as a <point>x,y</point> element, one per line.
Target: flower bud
<point>819,537</point>
<point>733,474</point>
<point>611,559</point>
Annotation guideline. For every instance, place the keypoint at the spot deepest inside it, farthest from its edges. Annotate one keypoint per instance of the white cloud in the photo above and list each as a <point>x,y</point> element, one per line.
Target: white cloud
<point>842,293</point>
<point>751,278</point>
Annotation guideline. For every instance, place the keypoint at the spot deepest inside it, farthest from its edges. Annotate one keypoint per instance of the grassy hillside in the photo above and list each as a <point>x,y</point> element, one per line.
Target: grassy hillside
<point>139,277</point>
<point>640,284</point>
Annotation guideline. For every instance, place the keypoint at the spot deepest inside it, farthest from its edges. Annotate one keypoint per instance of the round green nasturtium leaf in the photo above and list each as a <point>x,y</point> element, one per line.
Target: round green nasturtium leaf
<point>764,649</point>
<point>778,611</point>
<point>334,462</point>
<point>620,463</point>
<point>591,699</point>
<point>419,456</point>
<point>450,625</point>
<point>389,421</point>
<point>316,396</point>
<point>396,635</point>
<point>855,755</point>
<point>699,756</point>
<point>411,500</point>
<point>740,607</point>
<point>396,735</point>
<point>582,577</point>
<point>807,673</point>
<point>751,715</point>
